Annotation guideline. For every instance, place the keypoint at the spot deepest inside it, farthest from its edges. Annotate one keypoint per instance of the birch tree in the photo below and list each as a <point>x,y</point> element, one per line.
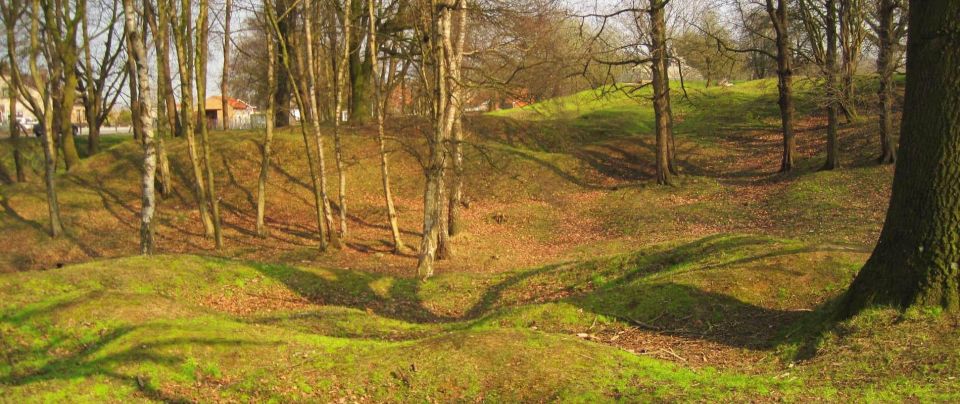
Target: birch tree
<point>138,53</point>
<point>383,84</point>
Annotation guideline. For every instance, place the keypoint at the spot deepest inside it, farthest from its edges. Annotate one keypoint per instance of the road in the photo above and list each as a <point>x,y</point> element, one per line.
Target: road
<point>106,130</point>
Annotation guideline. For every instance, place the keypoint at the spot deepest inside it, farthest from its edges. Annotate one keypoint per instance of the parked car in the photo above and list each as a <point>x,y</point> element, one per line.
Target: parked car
<point>38,130</point>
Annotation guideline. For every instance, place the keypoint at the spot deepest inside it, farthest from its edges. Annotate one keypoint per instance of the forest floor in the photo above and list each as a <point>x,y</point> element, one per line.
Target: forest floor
<point>576,278</point>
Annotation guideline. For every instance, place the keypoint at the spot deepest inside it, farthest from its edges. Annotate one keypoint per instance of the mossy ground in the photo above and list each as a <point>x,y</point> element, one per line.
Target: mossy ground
<point>576,280</point>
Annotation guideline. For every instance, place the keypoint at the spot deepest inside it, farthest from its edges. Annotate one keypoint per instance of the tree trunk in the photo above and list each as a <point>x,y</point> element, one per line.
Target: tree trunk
<point>282,92</point>
<point>315,121</point>
<point>779,18</point>
<point>138,54</point>
<point>380,102</point>
<point>339,82</point>
<point>50,170</point>
<point>661,90</point>
<point>454,222</point>
<point>185,57</point>
<point>285,57</point>
<point>203,32</point>
<point>68,141</point>
<point>833,95</point>
<point>917,259</point>
<point>361,70</point>
<point>224,100</point>
<point>21,175</point>
<point>442,59</point>
<point>267,141</point>
<point>886,63</point>
<point>851,40</point>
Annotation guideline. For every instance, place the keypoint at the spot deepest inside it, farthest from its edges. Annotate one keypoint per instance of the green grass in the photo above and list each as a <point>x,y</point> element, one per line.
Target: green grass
<point>178,327</point>
<point>593,284</point>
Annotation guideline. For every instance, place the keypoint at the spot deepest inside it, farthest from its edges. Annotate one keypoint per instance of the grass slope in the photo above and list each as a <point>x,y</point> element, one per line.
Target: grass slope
<point>576,280</point>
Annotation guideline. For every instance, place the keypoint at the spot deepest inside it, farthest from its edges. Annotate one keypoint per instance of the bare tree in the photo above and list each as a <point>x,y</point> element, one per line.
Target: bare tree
<point>41,107</point>
<point>383,85</point>
<point>280,30</point>
<point>202,42</point>
<point>889,25</point>
<point>267,139</point>
<point>61,23</point>
<point>820,22</point>
<point>138,53</point>
<point>343,62</point>
<point>440,57</point>
<point>183,43</point>
<point>916,262</point>
<point>225,76</point>
<point>314,102</point>
<point>101,83</point>
<point>11,14</point>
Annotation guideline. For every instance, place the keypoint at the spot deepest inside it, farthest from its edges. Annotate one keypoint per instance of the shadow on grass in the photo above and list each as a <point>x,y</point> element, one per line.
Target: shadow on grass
<point>635,294</point>
<point>62,357</point>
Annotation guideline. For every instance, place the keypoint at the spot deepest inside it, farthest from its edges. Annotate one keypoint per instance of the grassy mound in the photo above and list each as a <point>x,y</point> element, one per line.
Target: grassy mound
<point>576,279</point>
<point>202,328</point>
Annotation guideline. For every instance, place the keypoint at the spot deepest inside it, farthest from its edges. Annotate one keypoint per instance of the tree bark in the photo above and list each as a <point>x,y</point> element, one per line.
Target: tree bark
<point>49,149</point>
<point>833,95</point>
<point>917,259</point>
<point>339,82</point>
<point>380,102</point>
<point>282,93</point>
<point>886,64</point>
<point>779,17</point>
<point>21,175</point>
<point>661,89</point>
<point>203,33</point>
<point>224,100</point>
<point>138,53</point>
<point>185,57</point>
<point>436,56</point>
<point>267,141</point>
<point>285,57</point>
<point>455,200</point>
<point>332,235</point>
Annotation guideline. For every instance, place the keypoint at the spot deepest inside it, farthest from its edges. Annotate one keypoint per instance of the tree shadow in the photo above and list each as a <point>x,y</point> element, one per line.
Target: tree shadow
<point>399,300</point>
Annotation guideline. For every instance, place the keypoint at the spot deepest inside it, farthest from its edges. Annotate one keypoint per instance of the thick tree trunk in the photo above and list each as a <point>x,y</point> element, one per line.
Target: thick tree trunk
<point>203,32</point>
<point>442,59</point>
<point>661,89</point>
<point>68,142</point>
<point>283,91</point>
<point>361,69</point>
<point>267,142</point>
<point>886,64</point>
<point>138,54</point>
<point>833,95</point>
<point>917,260</point>
<point>779,18</point>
